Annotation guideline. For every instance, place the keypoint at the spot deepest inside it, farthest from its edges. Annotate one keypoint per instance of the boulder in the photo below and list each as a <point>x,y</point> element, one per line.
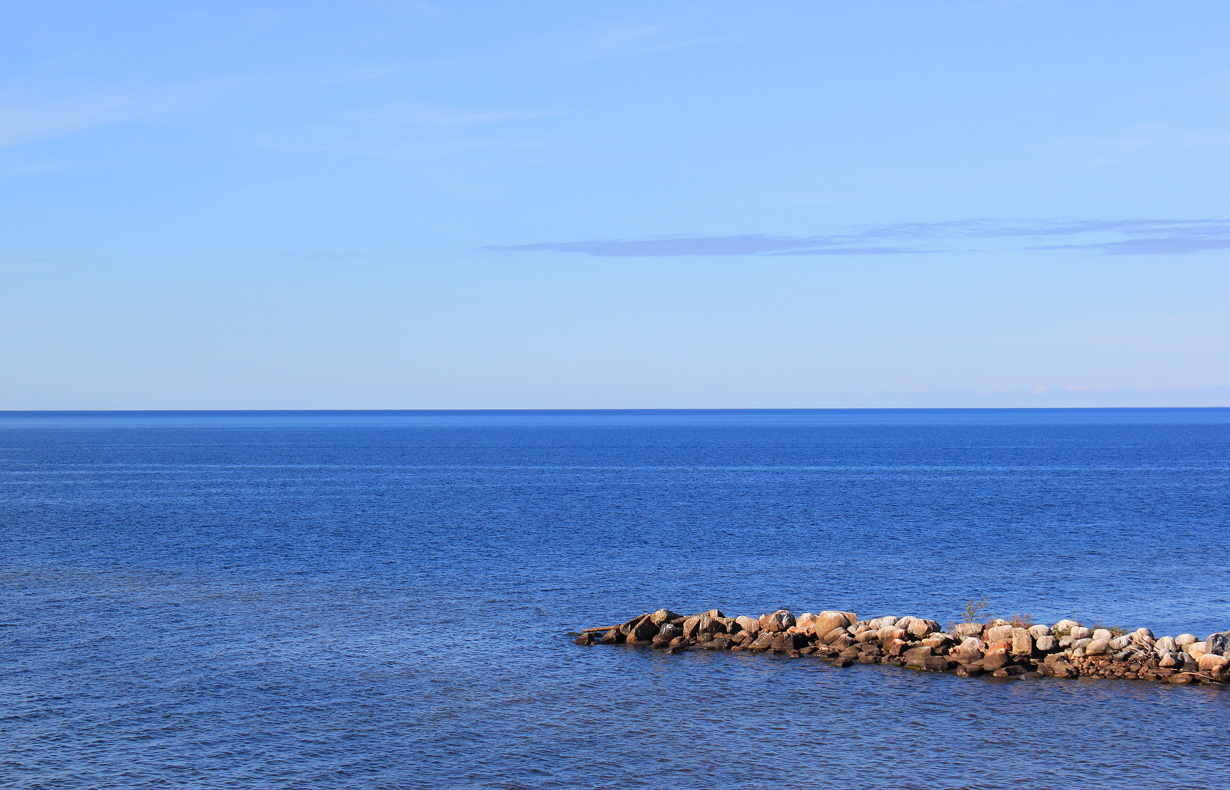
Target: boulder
<point>996,659</point>
<point>643,631</point>
<point>888,633</point>
<point>691,625</point>
<point>1183,640</point>
<point>1166,645</point>
<point>837,633</point>
<point>612,637</point>
<point>669,631</point>
<point>749,624</point>
<point>627,627</point>
<point>967,629</point>
<point>1046,644</point>
<point>920,628</point>
<point>1022,642</point>
<point>1102,635</point>
<point>1064,626</point>
<point>999,633</point>
<point>663,615</point>
<point>1120,642</point>
<point>916,657</point>
<point>1079,632</point>
<point>1098,647</point>
<point>1039,630</point>
<point>777,621</point>
<point>1216,644</point>
<point>1211,661</point>
<point>825,622</point>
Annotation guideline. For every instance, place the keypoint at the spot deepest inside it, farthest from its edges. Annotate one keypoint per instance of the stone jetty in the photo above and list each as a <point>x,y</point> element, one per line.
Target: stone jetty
<point>999,648</point>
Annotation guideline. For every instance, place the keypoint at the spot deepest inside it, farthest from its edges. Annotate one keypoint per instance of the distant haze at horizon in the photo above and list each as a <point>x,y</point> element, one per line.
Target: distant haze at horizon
<point>467,206</point>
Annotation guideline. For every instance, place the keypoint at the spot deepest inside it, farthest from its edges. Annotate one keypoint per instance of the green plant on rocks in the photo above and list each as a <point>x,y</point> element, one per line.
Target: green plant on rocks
<point>973,609</point>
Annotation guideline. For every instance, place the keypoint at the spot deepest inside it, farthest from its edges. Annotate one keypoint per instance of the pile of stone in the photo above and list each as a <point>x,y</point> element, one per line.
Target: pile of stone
<point>1066,649</point>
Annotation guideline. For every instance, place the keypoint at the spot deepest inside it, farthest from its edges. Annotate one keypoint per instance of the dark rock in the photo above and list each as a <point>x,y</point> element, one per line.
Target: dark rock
<point>917,656</point>
<point>842,662</point>
<point>939,664</point>
<point>643,631</point>
<point>763,641</point>
<point>584,639</point>
<point>969,670</point>
<point>612,637</point>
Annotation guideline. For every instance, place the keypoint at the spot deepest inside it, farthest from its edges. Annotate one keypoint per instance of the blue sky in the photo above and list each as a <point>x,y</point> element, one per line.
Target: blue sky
<point>552,205</point>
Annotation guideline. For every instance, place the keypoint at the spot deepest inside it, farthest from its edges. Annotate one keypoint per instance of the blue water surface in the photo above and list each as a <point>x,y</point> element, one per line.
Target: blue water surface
<point>383,599</point>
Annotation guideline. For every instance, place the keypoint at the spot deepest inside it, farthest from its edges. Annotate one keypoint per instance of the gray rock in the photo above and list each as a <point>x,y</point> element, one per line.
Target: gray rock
<point>1064,625</point>
<point>1216,644</point>
<point>1168,659</point>
<point>1120,642</point>
<point>999,633</point>
<point>1183,640</point>
<point>1022,642</point>
<point>1165,645</point>
<point>1081,643</point>
<point>1097,647</point>
<point>967,629</point>
<point>1039,630</point>
<point>887,621</point>
<point>1102,635</point>
<point>1066,640</point>
<point>1080,632</point>
<point>1046,644</point>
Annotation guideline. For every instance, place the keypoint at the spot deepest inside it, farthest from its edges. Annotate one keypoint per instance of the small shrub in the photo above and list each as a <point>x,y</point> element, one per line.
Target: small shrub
<point>974,608</point>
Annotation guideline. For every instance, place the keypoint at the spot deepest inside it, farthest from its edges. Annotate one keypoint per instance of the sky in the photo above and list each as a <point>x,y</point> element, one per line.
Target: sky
<point>421,205</point>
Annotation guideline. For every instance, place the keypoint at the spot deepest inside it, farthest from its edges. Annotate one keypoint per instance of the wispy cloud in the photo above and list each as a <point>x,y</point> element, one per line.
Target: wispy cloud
<point>1111,237</point>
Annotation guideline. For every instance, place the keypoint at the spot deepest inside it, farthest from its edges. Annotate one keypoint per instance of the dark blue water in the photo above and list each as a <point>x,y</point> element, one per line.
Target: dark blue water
<point>383,600</point>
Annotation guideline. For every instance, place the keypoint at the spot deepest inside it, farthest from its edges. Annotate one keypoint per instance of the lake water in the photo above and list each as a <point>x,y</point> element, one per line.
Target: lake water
<point>383,600</point>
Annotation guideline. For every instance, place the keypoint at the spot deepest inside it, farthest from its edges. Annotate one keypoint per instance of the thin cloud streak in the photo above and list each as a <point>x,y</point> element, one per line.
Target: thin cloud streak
<point>1143,237</point>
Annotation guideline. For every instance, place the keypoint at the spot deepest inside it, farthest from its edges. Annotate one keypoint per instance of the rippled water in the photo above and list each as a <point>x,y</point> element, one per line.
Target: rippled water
<point>383,600</point>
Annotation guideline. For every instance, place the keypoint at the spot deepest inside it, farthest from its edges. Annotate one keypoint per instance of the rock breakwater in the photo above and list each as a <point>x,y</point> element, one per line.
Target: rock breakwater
<point>999,648</point>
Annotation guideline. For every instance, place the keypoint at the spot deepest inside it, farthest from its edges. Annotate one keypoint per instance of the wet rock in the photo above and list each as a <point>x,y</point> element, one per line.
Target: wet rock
<point>584,639</point>
<point>969,671</point>
<point>842,662</point>
<point>612,637</point>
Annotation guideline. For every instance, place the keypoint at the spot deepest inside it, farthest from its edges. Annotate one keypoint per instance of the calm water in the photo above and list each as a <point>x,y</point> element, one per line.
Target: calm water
<point>382,600</point>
